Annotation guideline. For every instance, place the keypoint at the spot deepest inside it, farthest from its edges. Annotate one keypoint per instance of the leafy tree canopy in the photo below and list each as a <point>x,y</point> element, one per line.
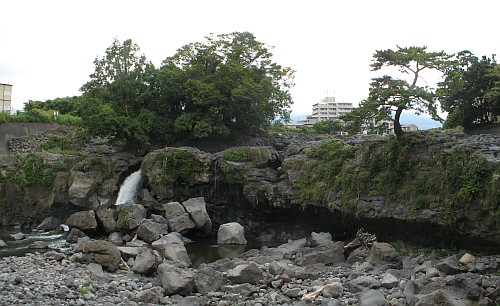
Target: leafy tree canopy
<point>226,85</point>
<point>471,91</point>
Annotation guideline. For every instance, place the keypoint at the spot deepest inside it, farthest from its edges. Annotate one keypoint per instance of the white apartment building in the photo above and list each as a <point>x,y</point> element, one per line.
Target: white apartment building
<point>326,109</point>
<point>5,98</point>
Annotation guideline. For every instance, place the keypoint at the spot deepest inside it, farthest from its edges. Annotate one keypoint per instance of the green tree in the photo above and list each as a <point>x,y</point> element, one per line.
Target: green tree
<point>118,101</point>
<point>389,95</point>
<point>226,85</point>
<point>468,91</point>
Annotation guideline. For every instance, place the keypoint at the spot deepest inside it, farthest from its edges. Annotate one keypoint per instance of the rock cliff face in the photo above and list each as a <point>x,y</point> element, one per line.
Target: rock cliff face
<point>450,180</point>
<point>38,185</point>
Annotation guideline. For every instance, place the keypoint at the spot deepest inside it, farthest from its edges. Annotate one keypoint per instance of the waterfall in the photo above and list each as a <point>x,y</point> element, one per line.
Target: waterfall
<point>129,188</point>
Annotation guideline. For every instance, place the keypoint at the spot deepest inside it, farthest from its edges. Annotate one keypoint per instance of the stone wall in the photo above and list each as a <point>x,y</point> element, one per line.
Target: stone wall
<point>12,130</point>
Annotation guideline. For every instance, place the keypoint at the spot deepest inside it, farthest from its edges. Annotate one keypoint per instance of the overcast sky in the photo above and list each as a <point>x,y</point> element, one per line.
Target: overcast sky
<point>47,47</point>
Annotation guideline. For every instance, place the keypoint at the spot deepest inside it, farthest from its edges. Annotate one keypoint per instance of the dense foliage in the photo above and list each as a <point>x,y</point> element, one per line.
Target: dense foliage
<point>406,171</point>
<point>471,91</point>
<point>226,86</point>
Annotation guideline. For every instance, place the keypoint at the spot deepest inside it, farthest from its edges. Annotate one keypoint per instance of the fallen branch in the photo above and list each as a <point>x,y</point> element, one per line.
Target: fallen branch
<point>312,295</point>
<point>362,239</point>
<point>125,264</point>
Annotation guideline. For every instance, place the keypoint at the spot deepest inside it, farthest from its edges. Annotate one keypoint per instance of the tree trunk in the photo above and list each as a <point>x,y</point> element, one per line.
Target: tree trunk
<point>397,126</point>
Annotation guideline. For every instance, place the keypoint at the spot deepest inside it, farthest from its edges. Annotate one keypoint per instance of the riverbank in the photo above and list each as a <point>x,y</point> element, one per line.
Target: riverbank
<point>308,271</point>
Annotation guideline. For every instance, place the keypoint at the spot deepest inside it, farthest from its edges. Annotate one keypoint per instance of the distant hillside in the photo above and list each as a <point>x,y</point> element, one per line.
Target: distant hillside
<point>423,122</point>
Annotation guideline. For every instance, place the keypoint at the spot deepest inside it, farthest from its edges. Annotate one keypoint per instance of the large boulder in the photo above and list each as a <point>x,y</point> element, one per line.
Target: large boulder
<point>208,280</point>
<point>176,280</point>
<point>83,190</point>
<point>130,216</point>
<point>146,262</point>
<point>49,223</point>
<point>196,207</point>
<point>245,273</point>
<point>83,220</point>
<point>178,218</point>
<point>150,231</point>
<point>372,298</point>
<point>74,235</point>
<point>107,219</point>
<point>383,256</point>
<point>231,233</point>
<point>172,247</point>
<point>102,252</point>
<point>328,254</point>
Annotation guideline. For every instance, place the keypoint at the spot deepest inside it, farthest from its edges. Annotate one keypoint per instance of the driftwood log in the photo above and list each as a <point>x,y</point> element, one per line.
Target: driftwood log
<point>362,239</point>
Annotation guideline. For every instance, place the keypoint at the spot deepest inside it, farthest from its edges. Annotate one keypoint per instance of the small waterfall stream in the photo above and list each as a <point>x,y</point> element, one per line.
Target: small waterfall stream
<point>129,188</point>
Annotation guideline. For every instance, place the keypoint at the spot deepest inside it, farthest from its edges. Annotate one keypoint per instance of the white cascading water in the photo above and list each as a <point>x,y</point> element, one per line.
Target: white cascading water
<point>128,190</point>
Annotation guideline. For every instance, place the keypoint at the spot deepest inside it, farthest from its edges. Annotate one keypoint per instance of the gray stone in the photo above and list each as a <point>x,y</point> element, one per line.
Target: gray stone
<point>130,216</point>
<point>241,289</point>
<point>372,298</point>
<point>83,190</point>
<point>231,233</point>
<point>292,292</point>
<point>196,207</point>
<point>432,272</point>
<point>449,265</point>
<point>95,269</point>
<point>333,290</point>
<point>318,239</point>
<point>102,252</point>
<point>39,245</point>
<point>290,248</point>
<point>159,219</point>
<point>358,255</point>
<point>328,254</point>
<point>384,256</point>
<point>80,242</point>
<point>148,296</point>
<point>181,223</point>
<point>130,252</point>
<point>175,280</point>
<point>363,282</point>
<point>245,273</point>
<point>146,262</point>
<point>208,280</point>
<point>176,253</point>
<point>150,231</point>
<point>83,220</point>
<point>469,282</point>
<point>116,238</point>
<point>49,223</point>
<point>74,235</point>
<point>467,259</point>
<point>389,281</point>
<point>439,297</point>
<point>173,237</point>
<point>173,209</point>
<point>189,301</point>
<point>2,244</point>
<point>106,217</point>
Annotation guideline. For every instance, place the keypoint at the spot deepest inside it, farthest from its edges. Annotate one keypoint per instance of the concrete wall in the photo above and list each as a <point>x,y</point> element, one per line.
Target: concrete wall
<point>15,129</point>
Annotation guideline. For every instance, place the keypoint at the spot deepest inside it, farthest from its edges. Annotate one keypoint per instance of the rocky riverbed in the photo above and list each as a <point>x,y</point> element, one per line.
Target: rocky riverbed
<point>310,271</point>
